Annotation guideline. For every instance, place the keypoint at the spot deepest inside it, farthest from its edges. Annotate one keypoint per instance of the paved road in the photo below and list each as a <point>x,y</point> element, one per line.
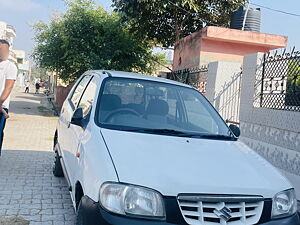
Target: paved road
<point>27,186</point>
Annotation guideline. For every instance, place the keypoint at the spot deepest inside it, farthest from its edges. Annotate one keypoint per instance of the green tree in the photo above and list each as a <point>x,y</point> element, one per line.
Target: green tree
<point>292,97</point>
<point>166,21</point>
<point>87,37</point>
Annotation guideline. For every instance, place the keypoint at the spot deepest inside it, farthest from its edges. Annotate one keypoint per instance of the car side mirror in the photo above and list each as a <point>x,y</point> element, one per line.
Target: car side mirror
<point>77,117</point>
<point>235,130</point>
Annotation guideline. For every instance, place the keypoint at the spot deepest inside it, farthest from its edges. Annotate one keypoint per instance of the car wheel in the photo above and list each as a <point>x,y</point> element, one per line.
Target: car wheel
<point>79,215</point>
<point>57,168</point>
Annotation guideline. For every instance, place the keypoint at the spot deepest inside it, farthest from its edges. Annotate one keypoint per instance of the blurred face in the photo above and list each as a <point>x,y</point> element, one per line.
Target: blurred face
<point>4,51</point>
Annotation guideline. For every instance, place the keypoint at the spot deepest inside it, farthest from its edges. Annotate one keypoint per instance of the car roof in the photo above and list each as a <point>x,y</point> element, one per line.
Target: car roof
<point>121,74</point>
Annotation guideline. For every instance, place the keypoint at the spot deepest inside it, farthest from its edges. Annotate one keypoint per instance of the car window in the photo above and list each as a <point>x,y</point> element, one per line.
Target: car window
<point>140,98</point>
<point>79,90</point>
<point>197,115</point>
<point>88,97</point>
<point>133,103</point>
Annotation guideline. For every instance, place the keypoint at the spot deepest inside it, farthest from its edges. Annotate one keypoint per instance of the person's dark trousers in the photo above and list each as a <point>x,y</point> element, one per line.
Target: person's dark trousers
<point>27,90</point>
<point>2,126</point>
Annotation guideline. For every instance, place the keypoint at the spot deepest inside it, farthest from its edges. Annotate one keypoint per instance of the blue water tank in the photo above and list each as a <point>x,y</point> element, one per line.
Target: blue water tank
<point>253,19</point>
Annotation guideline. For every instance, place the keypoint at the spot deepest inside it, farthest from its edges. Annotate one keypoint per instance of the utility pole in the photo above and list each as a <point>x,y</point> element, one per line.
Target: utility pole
<point>245,16</point>
<point>29,75</point>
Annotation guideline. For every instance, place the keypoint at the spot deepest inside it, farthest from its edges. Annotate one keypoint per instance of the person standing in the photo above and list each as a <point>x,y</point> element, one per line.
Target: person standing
<point>8,75</point>
<point>27,84</point>
<point>37,87</point>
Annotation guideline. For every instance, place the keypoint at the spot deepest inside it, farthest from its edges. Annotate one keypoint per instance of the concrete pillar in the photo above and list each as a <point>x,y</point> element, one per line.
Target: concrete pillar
<point>219,74</point>
<point>223,88</point>
<point>211,81</point>
<point>252,65</point>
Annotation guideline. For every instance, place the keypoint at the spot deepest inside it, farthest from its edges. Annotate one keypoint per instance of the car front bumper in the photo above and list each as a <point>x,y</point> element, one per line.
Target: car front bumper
<point>94,214</point>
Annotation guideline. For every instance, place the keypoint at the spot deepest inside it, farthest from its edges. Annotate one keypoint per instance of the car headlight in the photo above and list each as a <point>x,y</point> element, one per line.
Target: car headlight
<point>284,204</point>
<point>132,200</point>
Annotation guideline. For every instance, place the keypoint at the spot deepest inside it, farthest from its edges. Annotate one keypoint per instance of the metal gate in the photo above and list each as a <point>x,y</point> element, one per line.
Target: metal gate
<point>278,83</point>
<point>227,101</point>
<point>196,77</point>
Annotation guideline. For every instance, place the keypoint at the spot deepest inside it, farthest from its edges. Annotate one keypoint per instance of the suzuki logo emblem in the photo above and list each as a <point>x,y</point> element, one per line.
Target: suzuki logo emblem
<point>223,213</point>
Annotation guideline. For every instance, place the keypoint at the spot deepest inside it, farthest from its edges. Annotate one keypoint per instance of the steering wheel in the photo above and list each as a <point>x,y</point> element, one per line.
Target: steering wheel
<point>121,111</point>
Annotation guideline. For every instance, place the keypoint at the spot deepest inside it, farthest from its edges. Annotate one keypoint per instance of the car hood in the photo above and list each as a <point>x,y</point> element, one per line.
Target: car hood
<point>174,165</point>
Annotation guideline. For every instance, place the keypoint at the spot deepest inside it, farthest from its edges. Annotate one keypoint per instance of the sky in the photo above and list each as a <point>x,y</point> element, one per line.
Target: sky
<point>278,23</point>
<point>22,13</point>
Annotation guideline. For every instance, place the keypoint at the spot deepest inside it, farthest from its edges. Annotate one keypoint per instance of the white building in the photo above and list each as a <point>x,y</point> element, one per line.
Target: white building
<point>8,32</point>
<point>23,66</point>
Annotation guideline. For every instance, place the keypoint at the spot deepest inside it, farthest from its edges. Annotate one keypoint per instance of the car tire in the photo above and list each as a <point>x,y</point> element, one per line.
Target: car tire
<point>57,167</point>
<point>79,215</point>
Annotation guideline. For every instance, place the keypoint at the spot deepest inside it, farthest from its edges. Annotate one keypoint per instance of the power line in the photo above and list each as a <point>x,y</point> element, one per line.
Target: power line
<point>265,7</point>
<point>276,10</point>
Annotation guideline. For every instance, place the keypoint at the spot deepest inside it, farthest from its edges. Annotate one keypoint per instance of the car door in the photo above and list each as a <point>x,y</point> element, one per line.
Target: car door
<point>65,136</point>
<point>76,132</point>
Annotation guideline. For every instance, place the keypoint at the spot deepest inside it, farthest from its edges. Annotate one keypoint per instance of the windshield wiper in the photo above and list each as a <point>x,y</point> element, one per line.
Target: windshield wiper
<point>159,131</point>
<point>214,136</point>
<point>182,133</point>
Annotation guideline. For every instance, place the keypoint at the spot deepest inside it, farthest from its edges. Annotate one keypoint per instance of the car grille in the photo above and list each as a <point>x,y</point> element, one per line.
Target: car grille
<point>221,209</point>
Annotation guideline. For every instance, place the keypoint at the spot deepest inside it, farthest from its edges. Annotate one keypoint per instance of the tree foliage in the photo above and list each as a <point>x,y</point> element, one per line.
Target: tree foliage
<point>87,37</point>
<point>293,82</point>
<point>166,21</point>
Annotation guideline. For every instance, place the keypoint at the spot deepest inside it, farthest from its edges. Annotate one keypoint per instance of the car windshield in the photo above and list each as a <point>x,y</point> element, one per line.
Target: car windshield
<point>157,107</point>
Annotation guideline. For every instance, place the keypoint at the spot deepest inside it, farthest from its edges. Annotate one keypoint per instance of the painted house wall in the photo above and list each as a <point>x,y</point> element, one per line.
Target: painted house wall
<point>222,44</point>
<point>187,52</point>
<point>212,50</point>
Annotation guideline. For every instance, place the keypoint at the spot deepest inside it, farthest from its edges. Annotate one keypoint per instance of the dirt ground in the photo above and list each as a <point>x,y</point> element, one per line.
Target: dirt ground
<point>13,221</point>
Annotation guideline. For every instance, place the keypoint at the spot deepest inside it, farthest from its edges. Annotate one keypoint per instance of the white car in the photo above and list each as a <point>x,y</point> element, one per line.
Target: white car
<point>141,150</point>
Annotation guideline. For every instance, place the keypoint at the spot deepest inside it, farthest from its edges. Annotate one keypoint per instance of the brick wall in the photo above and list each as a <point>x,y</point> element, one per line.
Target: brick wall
<point>61,94</point>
